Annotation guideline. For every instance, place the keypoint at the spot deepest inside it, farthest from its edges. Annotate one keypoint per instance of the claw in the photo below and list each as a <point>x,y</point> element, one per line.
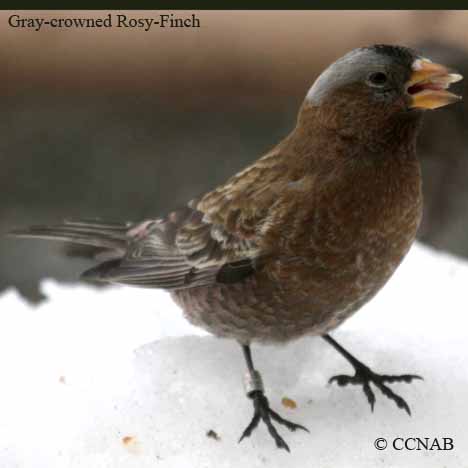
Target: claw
<point>342,380</point>
<point>262,411</point>
<point>364,376</point>
<point>400,402</point>
<point>407,378</point>
<point>290,425</point>
<point>250,428</point>
<point>369,394</point>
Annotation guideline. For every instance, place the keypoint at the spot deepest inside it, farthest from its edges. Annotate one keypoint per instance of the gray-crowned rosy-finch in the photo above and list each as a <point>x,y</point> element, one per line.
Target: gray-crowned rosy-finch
<point>302,238</point>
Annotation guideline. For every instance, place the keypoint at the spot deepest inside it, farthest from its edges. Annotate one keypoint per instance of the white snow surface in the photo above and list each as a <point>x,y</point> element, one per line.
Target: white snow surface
<point>117,378</point>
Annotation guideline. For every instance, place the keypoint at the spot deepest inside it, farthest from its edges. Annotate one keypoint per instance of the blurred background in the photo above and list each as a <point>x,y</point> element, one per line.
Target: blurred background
<point>124,124</point>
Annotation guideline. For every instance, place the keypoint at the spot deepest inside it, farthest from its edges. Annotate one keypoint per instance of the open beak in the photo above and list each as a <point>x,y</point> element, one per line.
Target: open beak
<point>428,84</point>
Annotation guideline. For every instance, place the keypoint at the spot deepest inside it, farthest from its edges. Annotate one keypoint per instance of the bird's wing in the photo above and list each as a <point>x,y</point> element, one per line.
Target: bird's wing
<point>180,250</point>
<point>219,238</point>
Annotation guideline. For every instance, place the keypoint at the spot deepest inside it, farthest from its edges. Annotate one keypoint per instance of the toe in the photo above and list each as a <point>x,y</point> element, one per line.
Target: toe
<point>342,380</point>
<point>407,378</point>
<point>400,402</point>
<point>290,425</point>
<point>280,442</point>
<point>369,394</point>
<point>249,429</point>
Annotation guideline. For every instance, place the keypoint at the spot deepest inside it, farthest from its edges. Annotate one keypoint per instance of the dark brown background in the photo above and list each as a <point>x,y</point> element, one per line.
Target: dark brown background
<point>127,124</point>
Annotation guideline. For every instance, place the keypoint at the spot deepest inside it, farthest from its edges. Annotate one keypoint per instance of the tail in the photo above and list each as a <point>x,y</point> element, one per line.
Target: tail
<point>110,237</point>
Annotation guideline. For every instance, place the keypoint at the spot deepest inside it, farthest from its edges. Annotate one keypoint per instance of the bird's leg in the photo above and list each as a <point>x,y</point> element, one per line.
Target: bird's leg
<point>364,376</point>
<point>262,411</point>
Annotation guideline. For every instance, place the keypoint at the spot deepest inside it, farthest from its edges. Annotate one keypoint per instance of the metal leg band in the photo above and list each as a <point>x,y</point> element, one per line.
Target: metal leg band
<point>253,382</point>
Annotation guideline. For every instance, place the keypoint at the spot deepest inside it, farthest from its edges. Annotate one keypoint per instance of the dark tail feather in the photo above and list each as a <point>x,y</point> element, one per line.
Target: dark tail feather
<point>99,272</point>
<point>112,236</point>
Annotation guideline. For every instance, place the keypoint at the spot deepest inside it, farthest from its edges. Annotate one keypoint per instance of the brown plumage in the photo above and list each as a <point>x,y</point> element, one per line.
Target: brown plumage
<point>326,233</point>
<point>302,238</point>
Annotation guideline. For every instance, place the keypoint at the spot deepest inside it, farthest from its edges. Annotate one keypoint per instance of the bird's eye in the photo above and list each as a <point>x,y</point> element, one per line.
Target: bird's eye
<point>377,78</point>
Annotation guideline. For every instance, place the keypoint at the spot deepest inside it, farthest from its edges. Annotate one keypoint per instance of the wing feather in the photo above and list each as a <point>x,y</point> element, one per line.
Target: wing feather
<point>219,238</point>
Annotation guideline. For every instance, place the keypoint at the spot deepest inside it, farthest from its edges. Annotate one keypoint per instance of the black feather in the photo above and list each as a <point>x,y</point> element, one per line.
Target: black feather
<point>235,271</point>
<point>98,273</point>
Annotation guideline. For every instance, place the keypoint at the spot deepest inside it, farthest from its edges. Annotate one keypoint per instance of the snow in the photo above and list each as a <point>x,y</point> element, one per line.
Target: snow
<point>117,378</point>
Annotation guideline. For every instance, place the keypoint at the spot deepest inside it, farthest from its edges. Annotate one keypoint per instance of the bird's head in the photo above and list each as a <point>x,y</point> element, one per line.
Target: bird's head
<point>372,86</point>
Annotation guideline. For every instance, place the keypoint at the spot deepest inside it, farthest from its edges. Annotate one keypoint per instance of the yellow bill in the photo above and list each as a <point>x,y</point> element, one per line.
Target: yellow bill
<point>429,83</point>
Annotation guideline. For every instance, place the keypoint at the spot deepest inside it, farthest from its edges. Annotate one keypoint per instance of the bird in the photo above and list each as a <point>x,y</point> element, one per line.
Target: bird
<point>303,237</point>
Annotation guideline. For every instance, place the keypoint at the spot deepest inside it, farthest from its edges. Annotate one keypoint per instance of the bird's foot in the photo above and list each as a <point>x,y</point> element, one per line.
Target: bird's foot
<point>364,376</point>
<point>262,411</point>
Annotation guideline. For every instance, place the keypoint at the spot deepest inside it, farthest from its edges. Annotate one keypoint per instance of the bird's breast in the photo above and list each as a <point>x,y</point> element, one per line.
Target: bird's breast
<point>355,233</point>
<point>330,253</point>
